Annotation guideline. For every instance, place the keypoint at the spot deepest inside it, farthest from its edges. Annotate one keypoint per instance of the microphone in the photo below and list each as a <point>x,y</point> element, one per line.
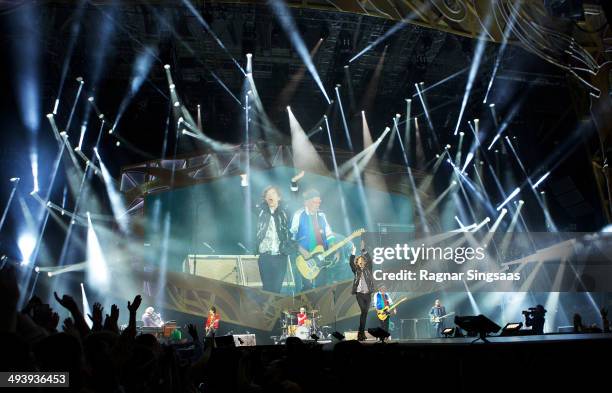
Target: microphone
<point>244,248</point>
<point>209,247</point>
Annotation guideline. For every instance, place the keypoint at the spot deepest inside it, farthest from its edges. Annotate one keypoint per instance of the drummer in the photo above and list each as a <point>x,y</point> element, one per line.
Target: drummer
<point>302,317</point>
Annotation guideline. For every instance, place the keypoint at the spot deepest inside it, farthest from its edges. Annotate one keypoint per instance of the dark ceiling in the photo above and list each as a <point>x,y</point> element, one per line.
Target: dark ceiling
<point>548,110</point>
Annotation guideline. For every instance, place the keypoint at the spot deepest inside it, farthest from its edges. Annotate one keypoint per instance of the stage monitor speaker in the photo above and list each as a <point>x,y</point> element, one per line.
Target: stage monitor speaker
<point>235,340</point>
<point>352,335</point>
<point>244,340</point>
<point>478,324</point>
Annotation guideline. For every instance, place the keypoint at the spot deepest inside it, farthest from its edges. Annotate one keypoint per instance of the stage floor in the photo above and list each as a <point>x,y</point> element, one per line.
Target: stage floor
<point>462,341</point>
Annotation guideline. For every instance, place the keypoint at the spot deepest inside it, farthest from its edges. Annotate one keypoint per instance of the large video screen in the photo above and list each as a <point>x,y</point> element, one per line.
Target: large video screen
<point>219,218</point>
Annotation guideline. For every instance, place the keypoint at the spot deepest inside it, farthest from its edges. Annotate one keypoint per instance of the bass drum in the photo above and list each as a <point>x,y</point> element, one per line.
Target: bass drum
<point>302,332</point>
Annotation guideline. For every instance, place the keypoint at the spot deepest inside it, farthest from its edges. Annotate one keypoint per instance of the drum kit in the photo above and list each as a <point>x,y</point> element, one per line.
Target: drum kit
<point>310,326</point>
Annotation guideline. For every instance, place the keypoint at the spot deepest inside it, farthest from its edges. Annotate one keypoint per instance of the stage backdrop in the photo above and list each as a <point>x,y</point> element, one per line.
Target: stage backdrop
<point>179,222</point>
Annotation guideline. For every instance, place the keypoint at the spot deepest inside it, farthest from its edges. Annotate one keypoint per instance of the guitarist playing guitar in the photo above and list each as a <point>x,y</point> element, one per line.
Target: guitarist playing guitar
<point>310,229</point>
<point>437,313</point>
<point>382,300</point>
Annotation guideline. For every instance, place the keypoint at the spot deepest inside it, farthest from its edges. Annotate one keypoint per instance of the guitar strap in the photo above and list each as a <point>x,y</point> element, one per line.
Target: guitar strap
<point>317,229</point>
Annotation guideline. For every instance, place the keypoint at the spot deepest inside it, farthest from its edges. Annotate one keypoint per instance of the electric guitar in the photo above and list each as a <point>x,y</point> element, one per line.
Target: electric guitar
<point>384,313</point>
<point>434,319</point>
<point>311,267</point>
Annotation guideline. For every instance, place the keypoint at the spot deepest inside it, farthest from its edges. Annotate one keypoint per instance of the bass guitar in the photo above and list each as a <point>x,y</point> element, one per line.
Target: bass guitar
<point>384,313</point>
<point>311,267</point>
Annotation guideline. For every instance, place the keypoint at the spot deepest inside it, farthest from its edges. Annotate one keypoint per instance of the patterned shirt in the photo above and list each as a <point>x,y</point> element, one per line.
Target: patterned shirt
<point>362,287</point>
<point>270,243</point>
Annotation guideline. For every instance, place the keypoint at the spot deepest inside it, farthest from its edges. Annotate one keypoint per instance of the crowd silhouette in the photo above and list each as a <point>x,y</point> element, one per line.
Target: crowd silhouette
<point>103,358</point>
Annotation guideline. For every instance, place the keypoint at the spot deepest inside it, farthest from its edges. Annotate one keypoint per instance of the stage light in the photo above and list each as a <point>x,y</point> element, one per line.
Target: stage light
<point>184,131</point>
<point>79,79</point>
<point>49,274</point>
<point>461,133</point>
<point>26,244</point>
<point>90,99</point>
<point>447,146</point>
<point>14,179</point>
<point>536,184</point>
<point>491,105</point>
<point>97,269</point>
<point>510,197</point>
<point>118,144</point>
<point>49,204</point>
<point>101,116</point>
<point>86,308</point>
<point>398,115</point>
<point>249,55</point>
<point>511,329</point>
<point>447,332</point>
<point>172,86</point>
<point>49,115</point>
<point>63,134</point>
<point>37,269</point>
<point>477,324</point>
<point>167,66</point>
<point>520,202</point>
<point>33,192</point>
<point>180,120</point>
<point>176,103</point>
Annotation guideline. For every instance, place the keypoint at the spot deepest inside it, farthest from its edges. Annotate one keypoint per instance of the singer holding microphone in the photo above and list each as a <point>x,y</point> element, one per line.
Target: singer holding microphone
<point>151,319</point>
<point>272,238</point>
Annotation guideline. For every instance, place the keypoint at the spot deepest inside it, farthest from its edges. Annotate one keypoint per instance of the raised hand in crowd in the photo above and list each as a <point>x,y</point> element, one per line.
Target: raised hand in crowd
<point>96,317</point>
<point>33,302</point>
<point>45,317</point>
<point>68,327</point>
<point>111,321</point>
<point>70,304</point>
<point>133,308</point>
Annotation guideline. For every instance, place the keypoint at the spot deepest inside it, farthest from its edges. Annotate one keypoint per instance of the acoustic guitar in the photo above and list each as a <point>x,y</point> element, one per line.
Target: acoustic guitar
<point>319,257</point>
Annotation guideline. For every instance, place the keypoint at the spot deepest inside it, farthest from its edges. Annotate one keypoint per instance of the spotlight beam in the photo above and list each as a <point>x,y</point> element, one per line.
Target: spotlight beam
<point>476,61</point>
<point>417,198</point>
<point>8,203</point>
<point>347,224</point>
<point>510,197</point>
<point>346,129</point>
<point>204,24</point>
<point>283,15</point>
